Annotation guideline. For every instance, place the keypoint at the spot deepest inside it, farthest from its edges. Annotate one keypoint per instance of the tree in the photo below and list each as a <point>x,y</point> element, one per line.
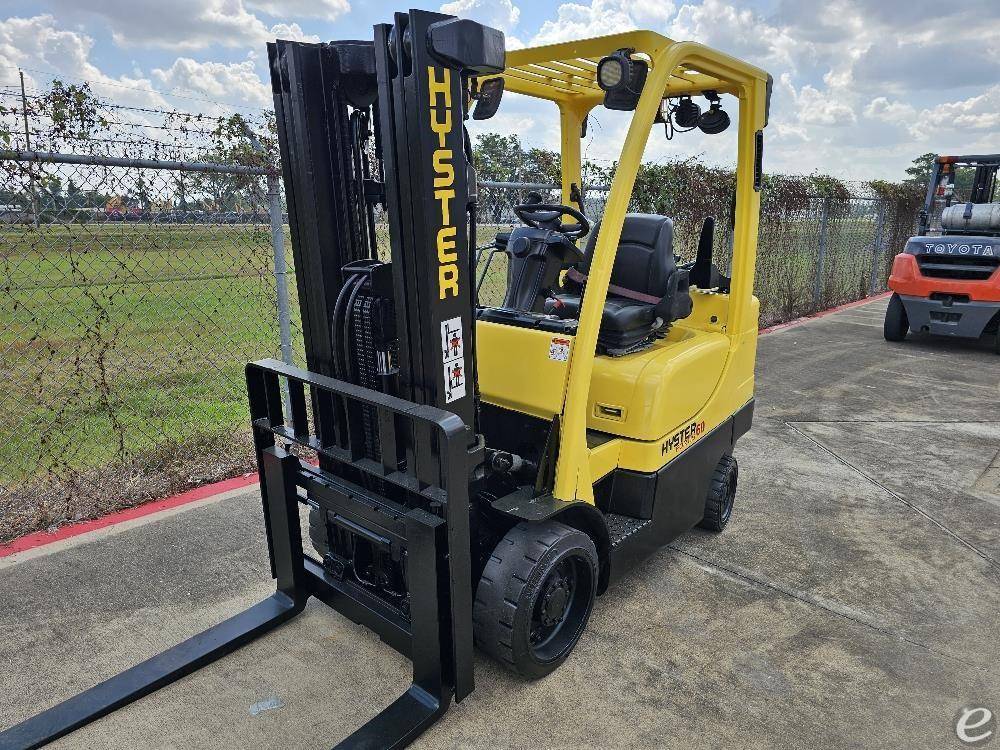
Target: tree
<point>498,157</point>
<point>920,172</point>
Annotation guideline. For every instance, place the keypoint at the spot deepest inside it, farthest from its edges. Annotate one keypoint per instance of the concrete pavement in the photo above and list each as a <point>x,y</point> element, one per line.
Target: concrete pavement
<point>852,602</point>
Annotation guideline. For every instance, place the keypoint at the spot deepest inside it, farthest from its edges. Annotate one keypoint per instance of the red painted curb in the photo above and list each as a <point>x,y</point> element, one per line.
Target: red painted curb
<point>822,313</point>
<point>41,538</point>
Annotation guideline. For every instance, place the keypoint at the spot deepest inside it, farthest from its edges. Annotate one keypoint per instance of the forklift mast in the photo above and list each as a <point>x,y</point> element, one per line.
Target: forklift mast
<point>430,195</point>
<point>363,124</point>
<point>941,183</point>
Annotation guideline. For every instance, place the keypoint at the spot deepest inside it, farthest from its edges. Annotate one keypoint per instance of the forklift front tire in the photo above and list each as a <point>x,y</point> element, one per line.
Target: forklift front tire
<point>721,494</point>
<point>896,325</point>
<point>535,597</point>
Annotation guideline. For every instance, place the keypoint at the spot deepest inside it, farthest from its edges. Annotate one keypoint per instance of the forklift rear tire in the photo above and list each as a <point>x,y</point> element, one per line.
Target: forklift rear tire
<point>896,325</point>
<point>535,597</point>
<point>721,494</point>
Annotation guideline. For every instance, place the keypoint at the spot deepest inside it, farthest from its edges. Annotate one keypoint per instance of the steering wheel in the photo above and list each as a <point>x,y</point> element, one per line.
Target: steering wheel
<point>547,215</point>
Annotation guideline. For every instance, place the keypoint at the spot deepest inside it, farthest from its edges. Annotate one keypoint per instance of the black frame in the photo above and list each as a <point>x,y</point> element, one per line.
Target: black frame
<point>435,633</point>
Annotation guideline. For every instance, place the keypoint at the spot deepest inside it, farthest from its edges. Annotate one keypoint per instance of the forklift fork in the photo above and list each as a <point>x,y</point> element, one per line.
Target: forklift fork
<point>435,632</point>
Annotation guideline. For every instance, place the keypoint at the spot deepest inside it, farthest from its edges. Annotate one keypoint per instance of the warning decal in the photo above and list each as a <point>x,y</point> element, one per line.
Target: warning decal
<point>453,358</point>
<point>559,349</point>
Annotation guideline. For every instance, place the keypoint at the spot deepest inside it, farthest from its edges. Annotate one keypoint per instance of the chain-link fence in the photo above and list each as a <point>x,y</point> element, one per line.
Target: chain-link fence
<point>825,253</point>
<point>133,294</point>
<point>135,291</point>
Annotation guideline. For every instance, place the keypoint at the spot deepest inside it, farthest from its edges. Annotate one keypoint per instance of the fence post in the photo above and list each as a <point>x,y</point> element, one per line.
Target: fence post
<point>280,266</point>
<point>278,247</point>
<point>27,147</point>
<point>821,256</point>
<point>878,252</point>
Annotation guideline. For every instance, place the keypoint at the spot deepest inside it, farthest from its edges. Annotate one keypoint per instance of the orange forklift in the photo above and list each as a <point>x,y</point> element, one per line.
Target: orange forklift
<point>947,279</point>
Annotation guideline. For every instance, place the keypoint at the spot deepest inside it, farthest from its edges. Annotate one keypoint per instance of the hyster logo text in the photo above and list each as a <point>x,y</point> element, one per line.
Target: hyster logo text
<point>444,181</point>
<point>682,438</point>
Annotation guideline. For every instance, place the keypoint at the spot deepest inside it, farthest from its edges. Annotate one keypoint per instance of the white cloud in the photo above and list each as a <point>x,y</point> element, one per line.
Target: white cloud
<point>823,108</point>
<point>215,80</point>
<point>574,21</point>
<point>179,24</point>
<point>500,14</point>
<point>45,51</point>
<point>881,108</point>
<point>981,111</point>
<point>329,10</point>
<point>740,32</point>
<point>291,31</point>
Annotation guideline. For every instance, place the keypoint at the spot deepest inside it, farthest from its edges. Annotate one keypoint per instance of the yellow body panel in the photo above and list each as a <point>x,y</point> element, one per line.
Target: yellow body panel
<point>517,370</point>
<point>662,400</point>
<point>605,457</point>
<point>693,376</point>
<point>659,387</point>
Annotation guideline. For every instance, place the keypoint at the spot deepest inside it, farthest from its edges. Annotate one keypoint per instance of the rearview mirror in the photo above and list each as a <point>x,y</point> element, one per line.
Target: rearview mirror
<point>488,99</point>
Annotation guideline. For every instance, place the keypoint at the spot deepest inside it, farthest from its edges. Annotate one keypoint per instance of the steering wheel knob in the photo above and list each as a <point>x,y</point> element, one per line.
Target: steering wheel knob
<point>519,246</point>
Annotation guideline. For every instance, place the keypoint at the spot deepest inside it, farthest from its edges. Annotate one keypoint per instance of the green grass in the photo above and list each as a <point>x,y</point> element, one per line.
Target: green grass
<point>119,338</point>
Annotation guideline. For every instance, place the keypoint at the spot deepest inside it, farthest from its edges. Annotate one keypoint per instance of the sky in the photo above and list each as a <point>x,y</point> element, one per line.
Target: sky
<point>861,86</point>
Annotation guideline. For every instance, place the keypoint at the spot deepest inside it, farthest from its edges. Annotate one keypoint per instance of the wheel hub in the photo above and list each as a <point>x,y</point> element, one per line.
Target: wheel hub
<point>554,602</point>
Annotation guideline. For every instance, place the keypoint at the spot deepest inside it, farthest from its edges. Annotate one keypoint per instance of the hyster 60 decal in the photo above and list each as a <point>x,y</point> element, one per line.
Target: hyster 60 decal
<point>682,438</point>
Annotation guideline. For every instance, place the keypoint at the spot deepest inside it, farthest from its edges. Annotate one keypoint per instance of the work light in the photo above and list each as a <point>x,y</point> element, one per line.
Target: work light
<point>621,78</point>
<point>714,121</point>
<point>610,72</point>
<point>687,113</point>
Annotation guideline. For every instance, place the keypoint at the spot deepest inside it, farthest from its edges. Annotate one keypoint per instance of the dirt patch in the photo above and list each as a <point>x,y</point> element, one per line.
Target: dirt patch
<point>170,468</point>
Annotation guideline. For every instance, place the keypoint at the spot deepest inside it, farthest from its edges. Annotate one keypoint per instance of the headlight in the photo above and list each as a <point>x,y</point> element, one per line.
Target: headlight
<point>610,72</point>
<point>621,78</point>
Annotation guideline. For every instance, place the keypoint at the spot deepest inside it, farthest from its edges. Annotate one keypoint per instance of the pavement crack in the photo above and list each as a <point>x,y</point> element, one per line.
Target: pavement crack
<point>791,422</point>
<point>827,605</point>
<point>892,493</point>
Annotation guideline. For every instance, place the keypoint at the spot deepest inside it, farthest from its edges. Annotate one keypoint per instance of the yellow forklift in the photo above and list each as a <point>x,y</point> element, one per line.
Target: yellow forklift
<point>478,474</point>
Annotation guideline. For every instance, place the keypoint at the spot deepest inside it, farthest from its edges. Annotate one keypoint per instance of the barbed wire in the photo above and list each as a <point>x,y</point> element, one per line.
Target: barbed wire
<point>166,95</point>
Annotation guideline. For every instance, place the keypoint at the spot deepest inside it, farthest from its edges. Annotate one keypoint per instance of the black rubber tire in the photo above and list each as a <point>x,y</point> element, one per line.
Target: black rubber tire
<point>318,533</point>
<point>896,325</point>
<point>721,494</point>
<point>530,560</point>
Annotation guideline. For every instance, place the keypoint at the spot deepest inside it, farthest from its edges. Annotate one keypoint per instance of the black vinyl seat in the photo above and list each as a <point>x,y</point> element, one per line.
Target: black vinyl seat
<point>647,291</point>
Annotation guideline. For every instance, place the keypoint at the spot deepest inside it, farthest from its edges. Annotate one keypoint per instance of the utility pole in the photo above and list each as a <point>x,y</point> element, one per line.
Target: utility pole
<point>27,147</point>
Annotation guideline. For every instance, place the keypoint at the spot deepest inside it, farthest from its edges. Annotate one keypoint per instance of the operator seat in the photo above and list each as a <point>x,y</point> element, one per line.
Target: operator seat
<point>647,292</point>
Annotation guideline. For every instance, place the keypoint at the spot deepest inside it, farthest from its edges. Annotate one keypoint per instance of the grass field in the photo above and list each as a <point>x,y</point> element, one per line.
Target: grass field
<point>123,345</point>
<point>117,337</point>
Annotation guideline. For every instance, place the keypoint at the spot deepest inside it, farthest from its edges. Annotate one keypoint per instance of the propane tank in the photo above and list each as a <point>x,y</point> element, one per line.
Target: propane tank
<point>972,217</point>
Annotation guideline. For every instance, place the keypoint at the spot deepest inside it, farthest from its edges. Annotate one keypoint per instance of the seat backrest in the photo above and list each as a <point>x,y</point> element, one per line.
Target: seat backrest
<point>645,263</point>
<point>645,258</point>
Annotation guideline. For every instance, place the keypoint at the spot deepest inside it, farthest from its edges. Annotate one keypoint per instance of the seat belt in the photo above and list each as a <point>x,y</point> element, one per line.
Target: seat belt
<point>581,278</point>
